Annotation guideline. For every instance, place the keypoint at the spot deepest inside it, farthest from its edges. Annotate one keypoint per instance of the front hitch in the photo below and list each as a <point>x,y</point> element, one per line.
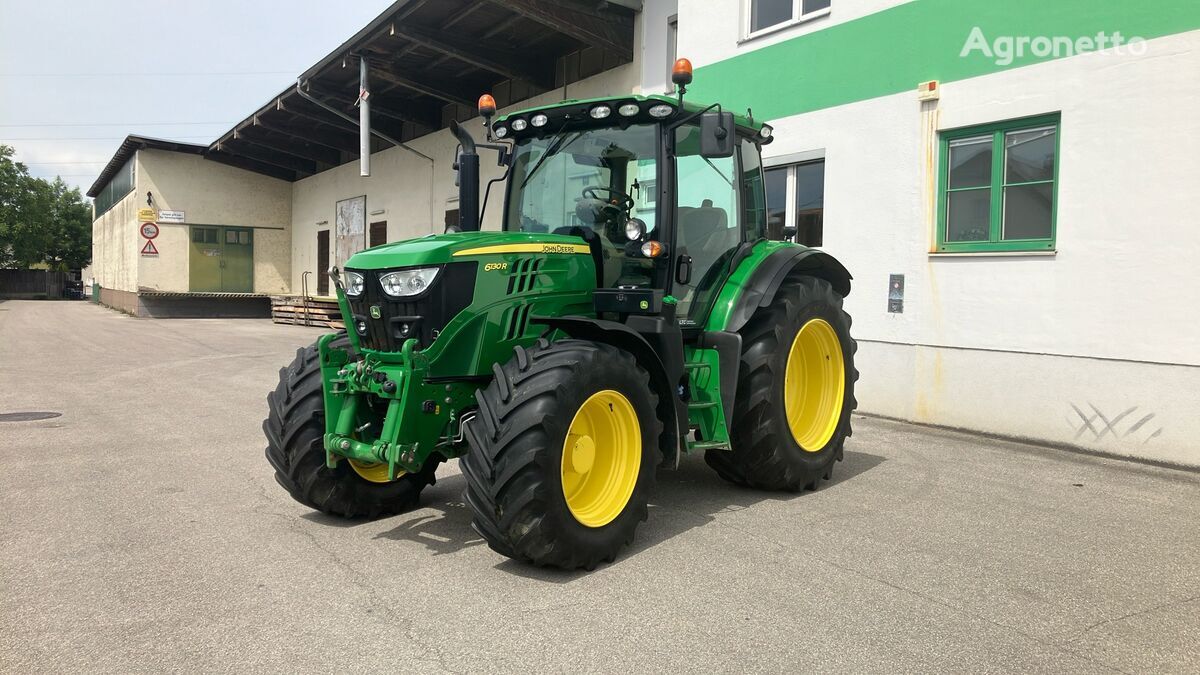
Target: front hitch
<point>419,418</point>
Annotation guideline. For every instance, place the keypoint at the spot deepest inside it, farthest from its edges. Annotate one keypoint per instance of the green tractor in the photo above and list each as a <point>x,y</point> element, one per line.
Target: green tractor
<point>630,310</point>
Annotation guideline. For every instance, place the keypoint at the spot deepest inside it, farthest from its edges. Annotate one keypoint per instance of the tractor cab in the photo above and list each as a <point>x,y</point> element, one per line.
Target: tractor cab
<point>664,192</point>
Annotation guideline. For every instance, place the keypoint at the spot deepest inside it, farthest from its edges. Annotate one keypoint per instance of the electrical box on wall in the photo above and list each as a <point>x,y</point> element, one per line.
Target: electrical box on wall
<point>929,91</point>
<point>896,294</point>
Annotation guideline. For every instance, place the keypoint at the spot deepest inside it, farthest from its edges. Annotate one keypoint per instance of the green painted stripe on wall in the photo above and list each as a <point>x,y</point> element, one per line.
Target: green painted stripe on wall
<point>893,50</point>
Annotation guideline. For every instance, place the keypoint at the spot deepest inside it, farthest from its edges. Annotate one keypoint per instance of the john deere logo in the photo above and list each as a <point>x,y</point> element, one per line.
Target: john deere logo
<point>375,313</point>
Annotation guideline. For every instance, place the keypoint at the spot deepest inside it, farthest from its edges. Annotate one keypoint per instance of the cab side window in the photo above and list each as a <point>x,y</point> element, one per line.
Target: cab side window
<point>754,201</point>
<point>706,219</point>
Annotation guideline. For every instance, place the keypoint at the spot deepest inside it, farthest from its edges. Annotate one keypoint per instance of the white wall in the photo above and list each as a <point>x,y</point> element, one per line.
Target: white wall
<point>211,193</point>
<point>656,62</point>
<point>713,30</point>
<point>115,243</point>
<point>1117,293</point>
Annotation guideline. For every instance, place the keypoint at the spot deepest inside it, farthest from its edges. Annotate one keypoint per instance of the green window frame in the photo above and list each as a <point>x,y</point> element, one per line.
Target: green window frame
<point>994,138</point>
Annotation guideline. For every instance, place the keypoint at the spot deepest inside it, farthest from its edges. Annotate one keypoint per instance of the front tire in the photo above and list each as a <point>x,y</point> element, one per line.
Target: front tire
<point>295,427</point>
<point>795,391</point>
<point>562,454</point>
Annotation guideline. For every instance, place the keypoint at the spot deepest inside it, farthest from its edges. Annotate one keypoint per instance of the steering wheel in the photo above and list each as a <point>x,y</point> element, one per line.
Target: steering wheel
<point>624,201</point>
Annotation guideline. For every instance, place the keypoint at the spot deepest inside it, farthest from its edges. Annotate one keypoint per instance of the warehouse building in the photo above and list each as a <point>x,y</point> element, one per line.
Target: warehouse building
<point>1009,183</point>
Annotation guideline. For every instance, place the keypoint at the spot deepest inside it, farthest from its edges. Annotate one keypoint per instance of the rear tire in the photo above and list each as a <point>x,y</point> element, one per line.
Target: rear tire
<point>527,442</point>
<point>295,427</point>
<point>766,450</point>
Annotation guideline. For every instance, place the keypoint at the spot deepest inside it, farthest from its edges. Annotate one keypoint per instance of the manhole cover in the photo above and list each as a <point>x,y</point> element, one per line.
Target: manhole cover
<point>28,416</point>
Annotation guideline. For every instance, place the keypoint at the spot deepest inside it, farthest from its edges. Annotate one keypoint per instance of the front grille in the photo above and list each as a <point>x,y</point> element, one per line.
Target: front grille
<point>421,317</point>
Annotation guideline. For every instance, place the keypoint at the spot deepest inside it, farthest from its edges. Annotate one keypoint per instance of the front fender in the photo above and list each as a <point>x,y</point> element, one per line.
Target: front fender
<point>622,336</point>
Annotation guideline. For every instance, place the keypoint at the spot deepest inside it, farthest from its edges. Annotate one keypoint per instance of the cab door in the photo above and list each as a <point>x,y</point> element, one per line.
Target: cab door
<point>707,224</point>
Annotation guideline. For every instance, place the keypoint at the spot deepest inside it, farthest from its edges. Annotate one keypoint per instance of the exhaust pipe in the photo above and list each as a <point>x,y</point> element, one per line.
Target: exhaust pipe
<point>467,180</point>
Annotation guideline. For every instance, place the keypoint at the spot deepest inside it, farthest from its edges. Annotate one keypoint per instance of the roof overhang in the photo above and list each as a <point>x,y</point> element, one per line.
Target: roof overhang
<point>428,61</point>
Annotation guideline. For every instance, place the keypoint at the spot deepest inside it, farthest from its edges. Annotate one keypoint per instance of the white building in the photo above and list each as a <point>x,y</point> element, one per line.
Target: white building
<point>1035,205</point>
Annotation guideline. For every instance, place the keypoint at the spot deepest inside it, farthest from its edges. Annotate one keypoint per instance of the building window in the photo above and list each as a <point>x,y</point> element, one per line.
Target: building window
<point>770,14</point>
<point>796,202</point>
<point>378,234</point>
<point>997,187</point>
<point>115,190</point>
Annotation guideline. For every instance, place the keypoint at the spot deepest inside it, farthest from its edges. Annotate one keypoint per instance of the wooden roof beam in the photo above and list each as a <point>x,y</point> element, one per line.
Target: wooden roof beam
<point>439,91</point>
<point>248,164</point>
<point>290,144</point>
<point>247,148</point>
<point>508,64</point>
<point>610,31</point>
<point>329,137</point>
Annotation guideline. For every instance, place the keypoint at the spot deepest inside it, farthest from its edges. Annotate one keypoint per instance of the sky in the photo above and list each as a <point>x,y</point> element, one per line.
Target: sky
<point>77,76</point>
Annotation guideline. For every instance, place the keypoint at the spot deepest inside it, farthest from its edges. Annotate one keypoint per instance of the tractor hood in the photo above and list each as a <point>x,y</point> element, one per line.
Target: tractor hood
<point>438,249</point>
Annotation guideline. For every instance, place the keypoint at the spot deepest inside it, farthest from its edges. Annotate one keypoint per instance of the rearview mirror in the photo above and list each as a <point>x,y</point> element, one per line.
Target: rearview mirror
<point>716,134</point>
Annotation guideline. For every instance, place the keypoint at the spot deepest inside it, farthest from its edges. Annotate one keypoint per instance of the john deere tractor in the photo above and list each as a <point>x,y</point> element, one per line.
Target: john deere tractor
<point>631,309</point>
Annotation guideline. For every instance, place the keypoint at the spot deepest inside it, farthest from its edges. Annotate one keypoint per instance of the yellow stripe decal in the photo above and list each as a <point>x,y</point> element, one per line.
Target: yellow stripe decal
<point>525,248</point>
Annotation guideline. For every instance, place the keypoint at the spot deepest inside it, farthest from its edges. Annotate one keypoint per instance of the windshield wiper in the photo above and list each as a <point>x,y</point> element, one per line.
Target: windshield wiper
<point>553,149</point>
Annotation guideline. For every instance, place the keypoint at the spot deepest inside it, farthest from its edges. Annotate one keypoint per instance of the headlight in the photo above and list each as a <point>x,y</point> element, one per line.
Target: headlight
<point>766,131</point>
<point>629,110</point>
<point>354,284</point>
<point>406,283</point>
<point>501,131</point>
<point>635,229</point>
<point>600,112</point>
<point>661,110</point>
<point>518,124</point>
<point>539,120</point>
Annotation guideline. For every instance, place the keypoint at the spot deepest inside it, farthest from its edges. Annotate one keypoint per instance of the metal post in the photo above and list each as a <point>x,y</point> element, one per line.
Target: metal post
<point>364,119</point>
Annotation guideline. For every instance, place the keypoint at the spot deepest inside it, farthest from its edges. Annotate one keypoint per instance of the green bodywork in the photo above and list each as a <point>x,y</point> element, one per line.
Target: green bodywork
<point>400,407</point>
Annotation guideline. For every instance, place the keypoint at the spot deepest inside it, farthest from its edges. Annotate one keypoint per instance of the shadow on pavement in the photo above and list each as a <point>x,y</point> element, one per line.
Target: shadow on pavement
<point>682,500</point>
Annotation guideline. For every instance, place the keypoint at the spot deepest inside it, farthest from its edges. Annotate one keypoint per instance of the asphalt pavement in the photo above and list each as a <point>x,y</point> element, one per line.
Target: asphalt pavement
<point>142,531</point>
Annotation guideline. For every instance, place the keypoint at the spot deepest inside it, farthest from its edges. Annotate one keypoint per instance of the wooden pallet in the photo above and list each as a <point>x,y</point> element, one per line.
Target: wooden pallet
<point>294,310</point>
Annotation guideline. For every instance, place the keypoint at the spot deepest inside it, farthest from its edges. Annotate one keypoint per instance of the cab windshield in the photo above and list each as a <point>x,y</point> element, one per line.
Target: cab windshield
<point>588,184</point>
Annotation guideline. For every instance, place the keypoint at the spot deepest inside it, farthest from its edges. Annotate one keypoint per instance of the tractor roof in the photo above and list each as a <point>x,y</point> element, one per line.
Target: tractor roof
<point>577,109</point>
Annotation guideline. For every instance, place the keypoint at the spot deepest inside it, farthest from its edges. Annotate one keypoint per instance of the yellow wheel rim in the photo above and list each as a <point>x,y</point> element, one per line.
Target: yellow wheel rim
<point>376,473</point>
<point>601,457</point>
<point>814,385</point>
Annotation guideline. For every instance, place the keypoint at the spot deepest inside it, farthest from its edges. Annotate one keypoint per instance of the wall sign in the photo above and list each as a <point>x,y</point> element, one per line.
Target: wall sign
<point>165,216</point>
<point>147,213</point>
<point>149,249</point>
<point>149,230</point>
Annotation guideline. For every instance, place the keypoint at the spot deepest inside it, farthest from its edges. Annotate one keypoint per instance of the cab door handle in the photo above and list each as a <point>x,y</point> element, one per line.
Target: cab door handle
<point>683,269</point>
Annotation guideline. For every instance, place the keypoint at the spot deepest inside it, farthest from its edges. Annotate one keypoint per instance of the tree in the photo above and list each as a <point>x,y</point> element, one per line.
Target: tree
<point>41,221</point>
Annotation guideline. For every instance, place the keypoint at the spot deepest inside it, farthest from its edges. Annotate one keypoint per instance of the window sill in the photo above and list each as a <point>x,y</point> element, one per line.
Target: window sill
<point>993,254</point>
<point>790,23</point>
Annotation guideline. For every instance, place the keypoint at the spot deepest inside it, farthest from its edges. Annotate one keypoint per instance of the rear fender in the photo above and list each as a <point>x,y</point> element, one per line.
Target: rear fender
<point>764,281</point>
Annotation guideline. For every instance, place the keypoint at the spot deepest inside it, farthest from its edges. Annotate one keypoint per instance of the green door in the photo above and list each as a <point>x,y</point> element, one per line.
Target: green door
<point>221,259</point>
<point>237,263</point>
<point>204,260</point>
